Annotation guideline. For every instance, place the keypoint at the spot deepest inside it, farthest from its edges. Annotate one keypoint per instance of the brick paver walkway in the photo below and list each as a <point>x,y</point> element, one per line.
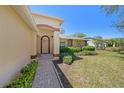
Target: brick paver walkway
<point>46,76</point>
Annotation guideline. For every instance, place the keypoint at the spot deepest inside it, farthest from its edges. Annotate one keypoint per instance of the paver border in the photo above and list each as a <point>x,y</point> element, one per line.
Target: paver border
<point>57,74</point>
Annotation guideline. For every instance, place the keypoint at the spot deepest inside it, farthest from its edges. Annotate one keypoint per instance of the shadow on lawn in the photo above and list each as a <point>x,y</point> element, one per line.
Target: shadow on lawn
<point>63,78</point>
<point>78,58</point>
<point>122,57</point>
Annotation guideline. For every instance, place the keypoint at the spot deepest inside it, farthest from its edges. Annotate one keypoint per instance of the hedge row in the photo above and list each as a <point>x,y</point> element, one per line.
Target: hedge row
<point>76,49</point>
<point>68,54</point>
<point>26,76</point>
<point>88,48</point>
<point>70,49</point>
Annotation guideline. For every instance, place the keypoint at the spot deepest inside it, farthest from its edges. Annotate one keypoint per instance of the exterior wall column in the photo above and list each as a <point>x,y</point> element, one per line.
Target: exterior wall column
<point>38,44</point>
<point>34,45</point>
<point>56,45</point>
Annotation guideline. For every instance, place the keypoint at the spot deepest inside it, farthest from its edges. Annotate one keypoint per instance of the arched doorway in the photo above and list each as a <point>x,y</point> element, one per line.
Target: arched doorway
<point>45,45</point>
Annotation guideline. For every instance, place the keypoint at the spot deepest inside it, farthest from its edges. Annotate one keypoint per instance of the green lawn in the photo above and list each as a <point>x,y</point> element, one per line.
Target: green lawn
<point>103,70</point>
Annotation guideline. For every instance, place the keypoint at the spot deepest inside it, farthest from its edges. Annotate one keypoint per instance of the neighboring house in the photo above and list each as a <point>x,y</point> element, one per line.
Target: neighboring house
<point>72,41</point>
<point>90,42</point>
<point>23,35</point>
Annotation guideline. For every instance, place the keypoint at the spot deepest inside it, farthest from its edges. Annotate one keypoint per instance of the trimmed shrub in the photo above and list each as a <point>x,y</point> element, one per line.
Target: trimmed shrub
<point>75,49</point>
<point>88,48</point>
<point>83,53</point>
<point>67,59</point>
<point>70,49</point>
<point>62,55</point>
<point>67,54</point>
<point>26,76</point>
<point>77,54</point>
<point>64,50</point>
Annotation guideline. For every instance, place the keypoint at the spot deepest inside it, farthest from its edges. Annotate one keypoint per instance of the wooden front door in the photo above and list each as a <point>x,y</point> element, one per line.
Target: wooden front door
<point>45,45</point>
<point>69,42</point>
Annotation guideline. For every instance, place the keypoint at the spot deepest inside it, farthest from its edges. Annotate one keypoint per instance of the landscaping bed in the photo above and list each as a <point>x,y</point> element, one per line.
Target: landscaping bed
<point>69,54</point>
<point>25,77</point>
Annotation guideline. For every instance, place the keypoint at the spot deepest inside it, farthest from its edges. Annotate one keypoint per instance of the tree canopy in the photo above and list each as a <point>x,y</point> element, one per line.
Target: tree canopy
<point>117,10</point>
<point>98,39</point>
<point>78,34</point>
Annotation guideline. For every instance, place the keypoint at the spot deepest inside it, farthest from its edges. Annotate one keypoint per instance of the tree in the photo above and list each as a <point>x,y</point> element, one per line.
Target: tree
<point>113,42</point>
<point>99,42</point>
<point>98,37</point>
<point>119,11</point>
<point>119,24</point>
<point>78,34</point>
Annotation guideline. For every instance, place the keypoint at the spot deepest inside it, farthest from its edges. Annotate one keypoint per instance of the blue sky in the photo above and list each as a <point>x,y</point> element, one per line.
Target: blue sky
<point>89,20</point>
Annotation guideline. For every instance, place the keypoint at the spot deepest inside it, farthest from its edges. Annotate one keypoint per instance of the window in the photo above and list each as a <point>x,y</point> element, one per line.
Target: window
<point>62,44</point>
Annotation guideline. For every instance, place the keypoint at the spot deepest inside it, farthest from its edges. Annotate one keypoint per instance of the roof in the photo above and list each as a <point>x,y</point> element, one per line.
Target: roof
<point>74,38</point>
<point>51,17</point>
<point>24,12</point>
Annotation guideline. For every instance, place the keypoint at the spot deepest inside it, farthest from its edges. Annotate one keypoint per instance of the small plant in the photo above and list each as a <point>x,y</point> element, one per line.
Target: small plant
<point>26,76</point>
<point>67,59</point>
<point>67,54</point>
<point>88,48</point>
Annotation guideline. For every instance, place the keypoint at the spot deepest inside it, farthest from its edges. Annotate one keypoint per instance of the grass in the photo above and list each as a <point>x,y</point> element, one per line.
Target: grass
<point>103,70</point>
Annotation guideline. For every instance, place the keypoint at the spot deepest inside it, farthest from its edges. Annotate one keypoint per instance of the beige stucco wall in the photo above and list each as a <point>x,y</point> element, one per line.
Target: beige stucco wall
<point>78,42</point>
<point>16,40</point>
<point>56,42</point>
<point>65,41</point>
<point>38,44</point>
<point>46,20</point>
<point>33,43</point>
<point>74,42</point>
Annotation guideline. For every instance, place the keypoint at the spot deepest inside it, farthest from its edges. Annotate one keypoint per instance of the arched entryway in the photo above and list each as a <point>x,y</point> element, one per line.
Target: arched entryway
<point>45,45</point>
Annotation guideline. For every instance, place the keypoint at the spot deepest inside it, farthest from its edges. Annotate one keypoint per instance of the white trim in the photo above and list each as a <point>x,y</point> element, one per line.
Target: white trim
<point>47,16</point>
<point>74,38</point>
<point>25,14</point>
